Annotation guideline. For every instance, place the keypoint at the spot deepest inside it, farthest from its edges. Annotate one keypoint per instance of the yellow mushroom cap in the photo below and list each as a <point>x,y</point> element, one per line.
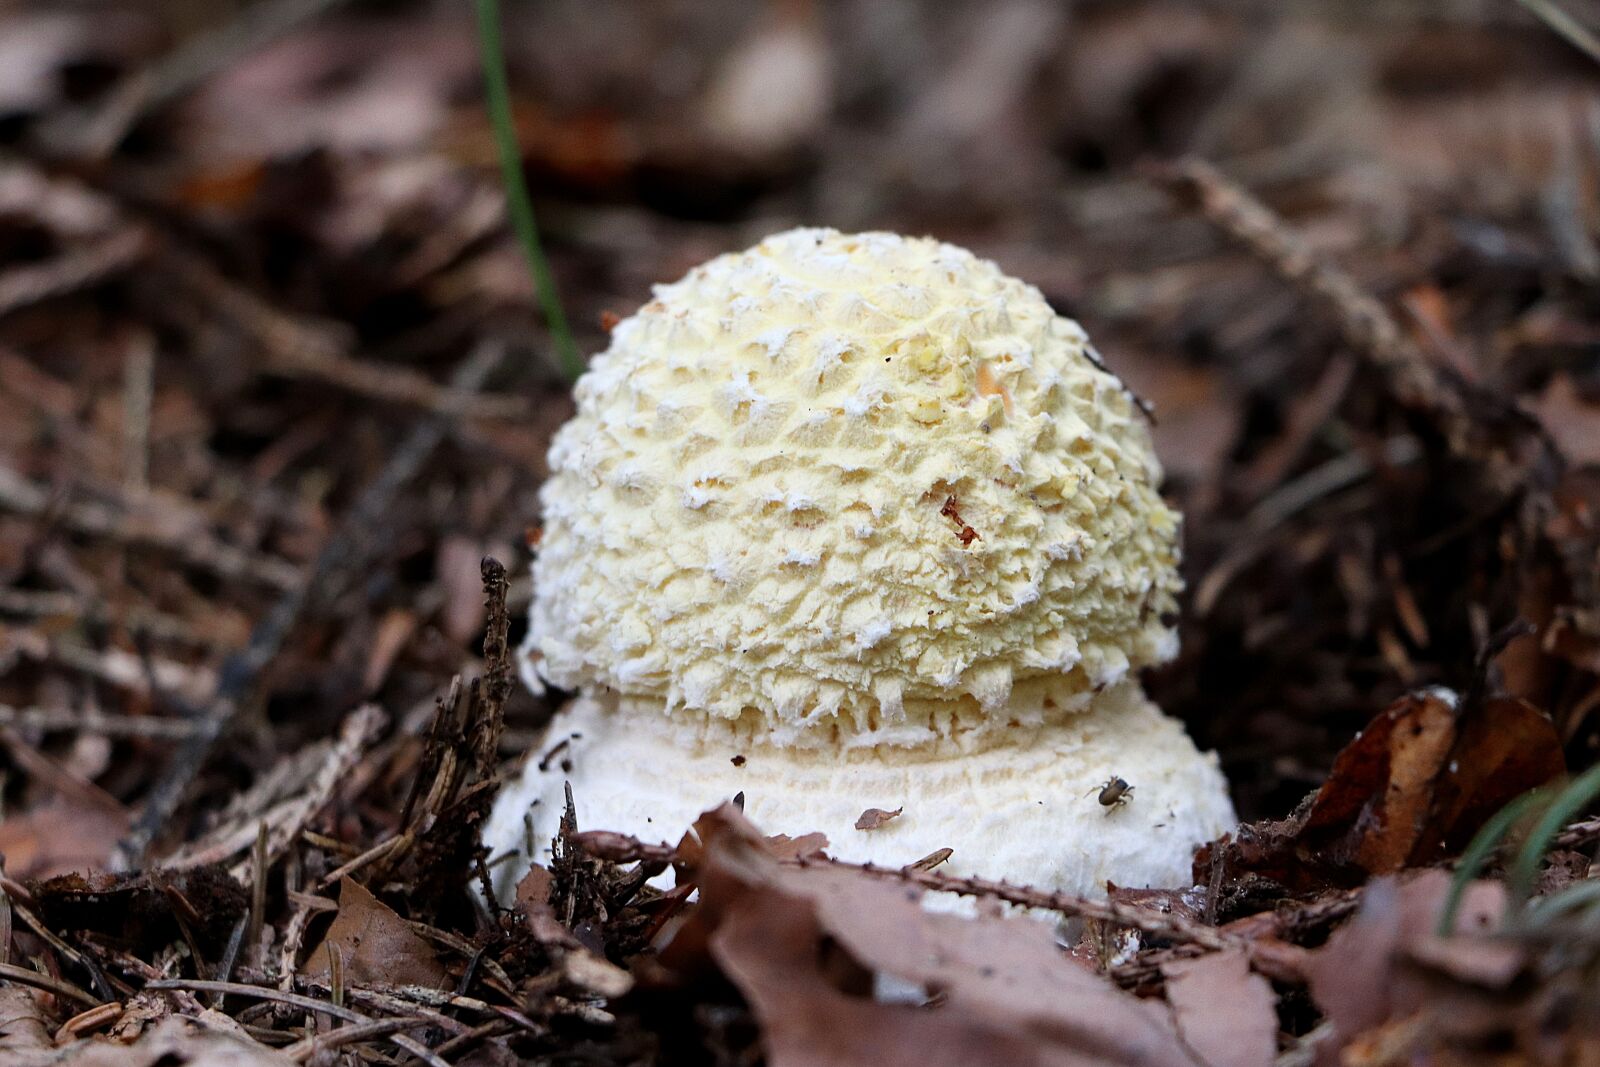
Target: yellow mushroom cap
<point>865,483</point>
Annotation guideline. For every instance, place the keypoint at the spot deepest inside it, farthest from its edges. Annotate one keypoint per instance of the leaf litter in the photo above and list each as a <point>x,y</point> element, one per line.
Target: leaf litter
<point>272,383</point>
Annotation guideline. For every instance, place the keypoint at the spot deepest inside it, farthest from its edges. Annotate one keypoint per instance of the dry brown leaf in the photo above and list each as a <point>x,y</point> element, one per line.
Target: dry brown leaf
<point>1571,419</point>
<point>22,1024</point>
<point>62,834</point>
<point>1413,787</point>
<point>378,946</point>
<point>174,1042</point>
<point>1225,1014</point>
<point>873,818</point>
<point>809,945</point>
<point>1385,964</point>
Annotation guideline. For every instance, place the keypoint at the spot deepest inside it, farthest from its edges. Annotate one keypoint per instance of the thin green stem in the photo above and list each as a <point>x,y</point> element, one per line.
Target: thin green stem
<point>497,92</point>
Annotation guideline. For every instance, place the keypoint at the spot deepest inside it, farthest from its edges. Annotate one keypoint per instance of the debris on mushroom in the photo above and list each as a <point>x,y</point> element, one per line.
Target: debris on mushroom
<point>1113,793</point>
<point>748,552</point>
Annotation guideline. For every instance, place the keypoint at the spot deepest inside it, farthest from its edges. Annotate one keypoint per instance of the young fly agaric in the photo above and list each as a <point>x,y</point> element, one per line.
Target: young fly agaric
<point>855,521</point>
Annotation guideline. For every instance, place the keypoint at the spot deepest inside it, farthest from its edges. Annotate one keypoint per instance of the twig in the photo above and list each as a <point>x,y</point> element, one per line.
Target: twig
<point>620,848</point>
<point>1570,29</point>
<point>144,527</point>
<point>138,387</point>
<point>295,1000</point>
<point>69,272</point>
<point>280,996</point>
<point>58,778</point>
<point>186,66</point>
<point>71,606</point>
<point>1288,500</point>
<point>498,678</point>
<point>109,986</point>
<point>162,679</point>
<point>1578,834</point>
<point>308,1047</point>
<point>497,92</point>
<point>98,722</point>
<point>23,976</point>
<point>343,555</point>
<point>370,856</point>
<point>295,349</point>
<point>1367,326</point>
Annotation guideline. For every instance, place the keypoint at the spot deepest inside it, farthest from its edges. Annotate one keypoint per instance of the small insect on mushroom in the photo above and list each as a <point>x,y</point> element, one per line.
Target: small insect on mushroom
<point>1114,793</point>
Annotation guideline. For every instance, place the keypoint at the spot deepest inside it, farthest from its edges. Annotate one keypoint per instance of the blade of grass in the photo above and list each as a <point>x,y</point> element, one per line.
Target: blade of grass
<point>1483,845</point>
<point>1568,803</point>
<point>497,94</point>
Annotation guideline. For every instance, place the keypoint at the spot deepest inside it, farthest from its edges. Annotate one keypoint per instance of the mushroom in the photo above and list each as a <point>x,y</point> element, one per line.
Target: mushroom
<point>858,521</point>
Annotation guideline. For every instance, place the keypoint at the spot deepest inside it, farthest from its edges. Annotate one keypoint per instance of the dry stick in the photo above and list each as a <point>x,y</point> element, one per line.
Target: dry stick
<point>97,722</point>
<point>56,604</point>
<point>295,349</point>
<point>1367,326</point>
<point>5,919</point>
<point>340,557</point>
<point>186,66</point>
<point>620,848</point>
<point>24,976</point>
<point>1564,25</point>
<point>138,389</point>
<point>320,1007</point>
<point>71,271</point>
<point>1470,418</point>
<point>110,986</point>
<point>305,1048</point>
<point>498,678</point>
<point>1578,834</point>
<point>193,546</point>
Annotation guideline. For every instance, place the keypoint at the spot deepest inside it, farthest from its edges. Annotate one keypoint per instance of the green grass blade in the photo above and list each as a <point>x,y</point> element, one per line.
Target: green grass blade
<point>497,93</point>
<point>1548,909</point>
<point>1478,852</point>
<point>1568,803</point>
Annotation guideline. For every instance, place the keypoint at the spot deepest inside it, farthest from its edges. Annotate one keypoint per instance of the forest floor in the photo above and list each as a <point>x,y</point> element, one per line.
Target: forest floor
<point>275,397</point>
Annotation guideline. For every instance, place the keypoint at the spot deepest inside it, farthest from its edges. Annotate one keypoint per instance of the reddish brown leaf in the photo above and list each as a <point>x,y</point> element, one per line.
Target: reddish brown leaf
<point>1502,750</point>
<point>1411,788</point>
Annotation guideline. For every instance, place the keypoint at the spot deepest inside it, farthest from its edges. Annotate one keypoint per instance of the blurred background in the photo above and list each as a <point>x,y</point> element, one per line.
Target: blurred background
<point>273,376</point>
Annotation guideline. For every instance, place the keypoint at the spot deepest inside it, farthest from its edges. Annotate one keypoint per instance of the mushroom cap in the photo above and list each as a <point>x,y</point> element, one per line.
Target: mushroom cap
<point>848,479</point>
<point>1022,807</point>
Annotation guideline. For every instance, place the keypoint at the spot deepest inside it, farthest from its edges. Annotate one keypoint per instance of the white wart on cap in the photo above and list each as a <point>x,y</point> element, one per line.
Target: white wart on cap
<point>833,478</point>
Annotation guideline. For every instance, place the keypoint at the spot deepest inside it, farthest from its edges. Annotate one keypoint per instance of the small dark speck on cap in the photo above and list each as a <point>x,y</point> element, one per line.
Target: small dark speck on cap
<point>737,761</point>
